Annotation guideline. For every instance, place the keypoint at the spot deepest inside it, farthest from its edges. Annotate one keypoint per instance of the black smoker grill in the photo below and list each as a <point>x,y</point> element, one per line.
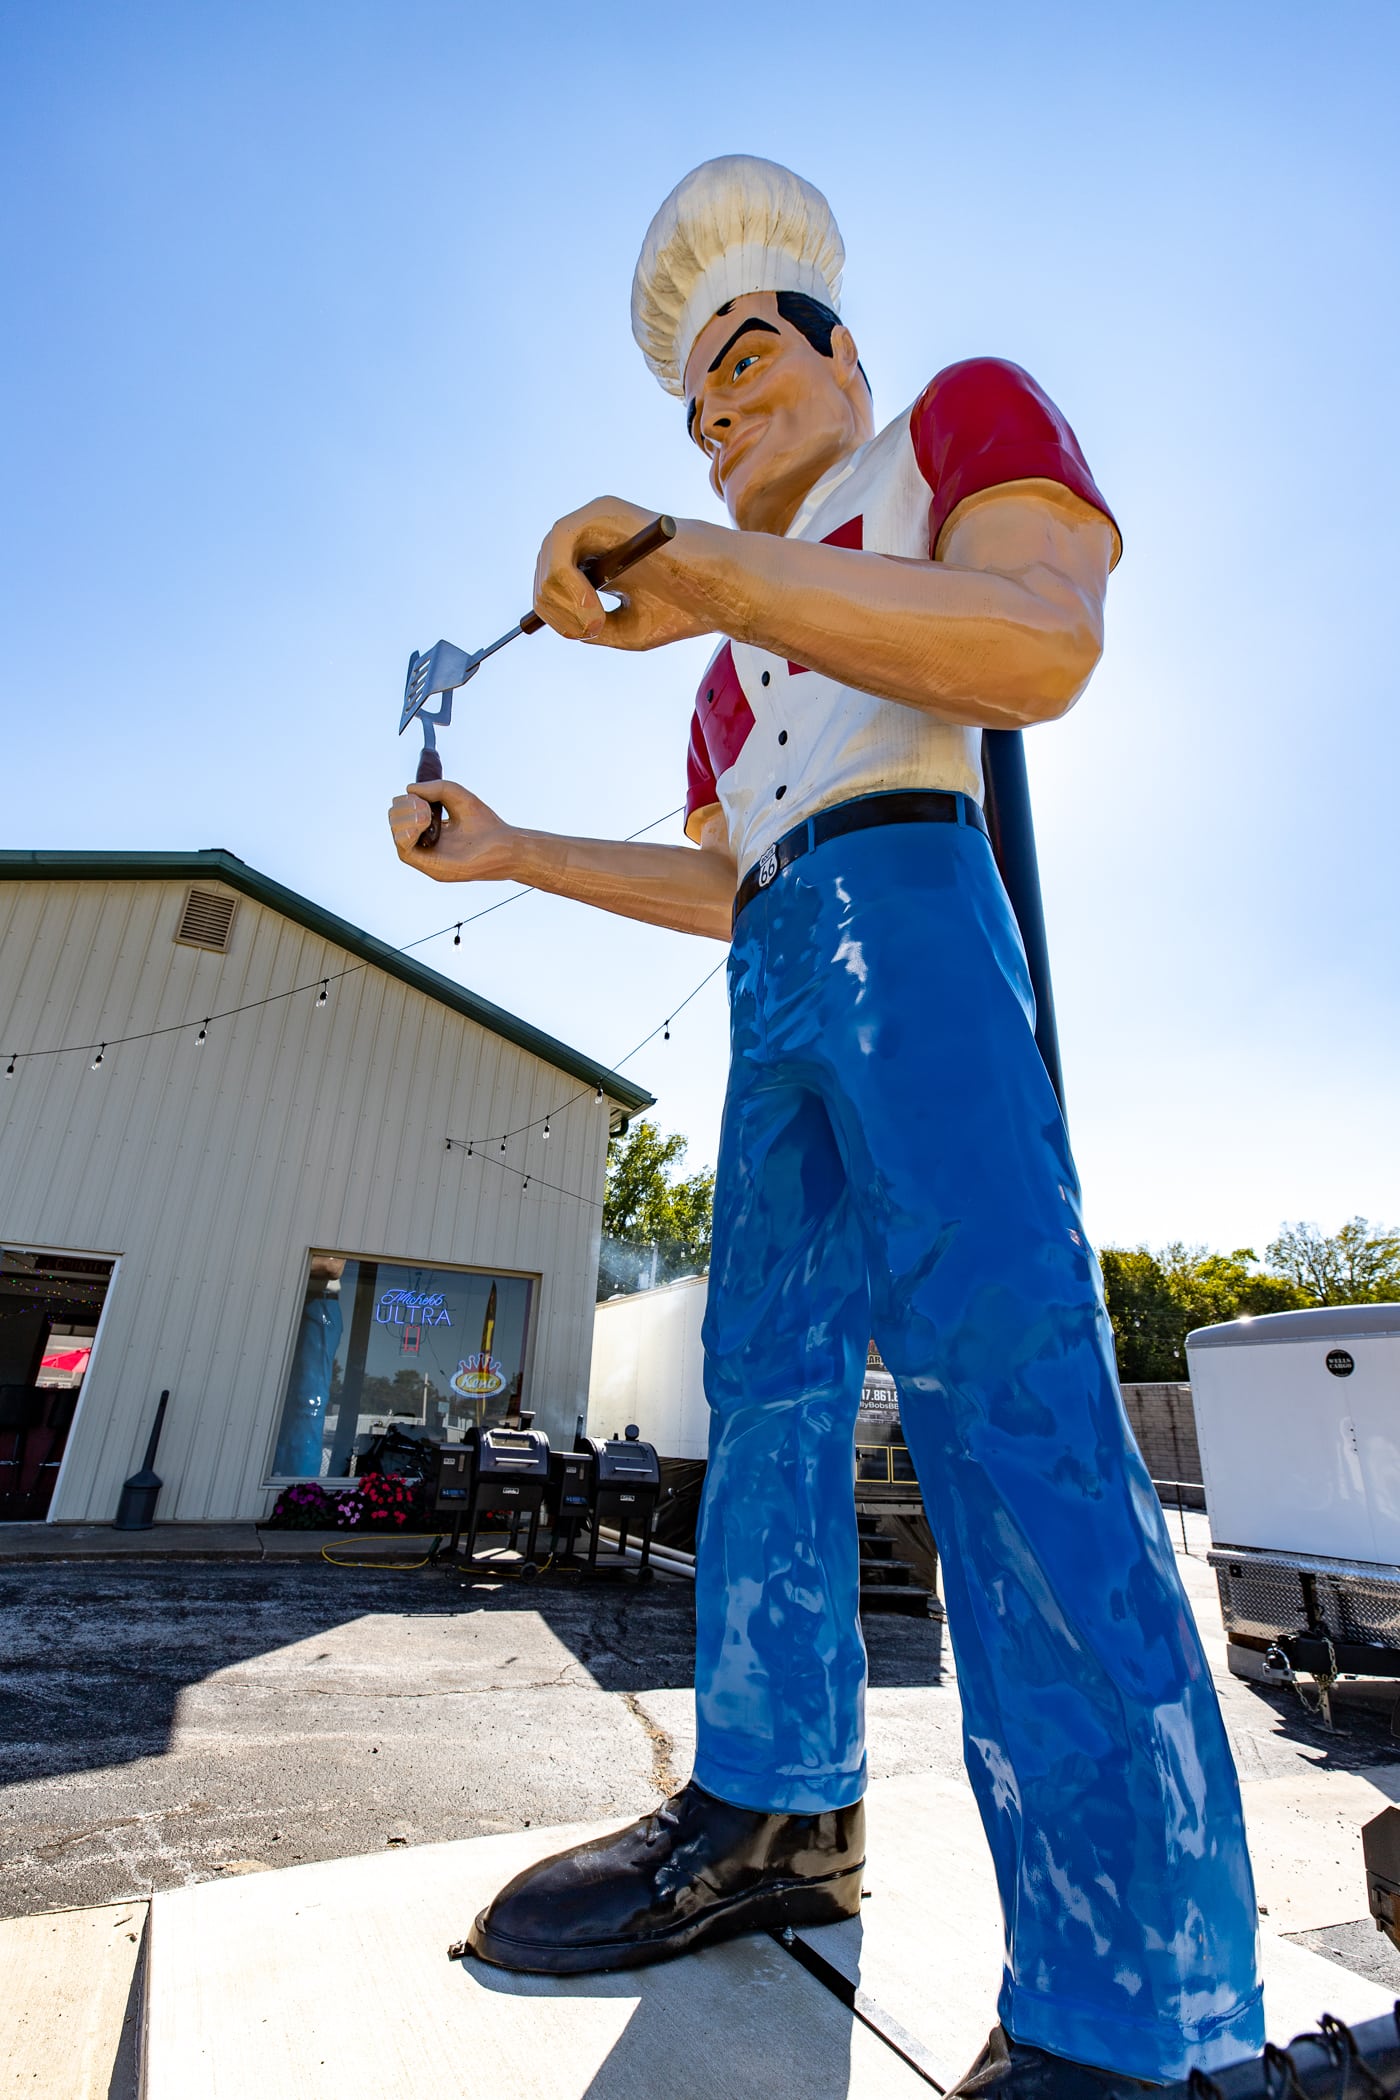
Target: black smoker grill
<point>501,1472</point>
<point>626,1487</point>
<point>569,1499</point>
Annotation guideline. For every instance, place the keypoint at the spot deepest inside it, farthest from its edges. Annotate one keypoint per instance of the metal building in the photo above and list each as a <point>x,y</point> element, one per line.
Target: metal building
<point>270,1221</point>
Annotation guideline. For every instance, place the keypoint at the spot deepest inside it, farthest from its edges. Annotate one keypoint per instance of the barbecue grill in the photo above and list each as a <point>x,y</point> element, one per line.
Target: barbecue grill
<point>626,1486</point>
<point>569,1497</point>
<point>501,1471</point>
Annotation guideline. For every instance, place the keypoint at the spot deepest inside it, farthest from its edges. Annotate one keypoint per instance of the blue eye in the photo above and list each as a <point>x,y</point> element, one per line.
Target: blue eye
<point>742,366</point>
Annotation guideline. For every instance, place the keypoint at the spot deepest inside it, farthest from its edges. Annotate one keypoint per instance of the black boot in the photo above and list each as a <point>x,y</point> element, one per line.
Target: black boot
<point>1012,2070</point>
<point>696,1871</point>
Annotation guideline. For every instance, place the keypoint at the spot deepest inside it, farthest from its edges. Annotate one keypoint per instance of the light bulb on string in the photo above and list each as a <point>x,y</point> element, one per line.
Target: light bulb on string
<point>457,936</point>
<point>323,1000</point>
<point>503,1144</point>
<point>469,1148</point>
<point>524,1184</point>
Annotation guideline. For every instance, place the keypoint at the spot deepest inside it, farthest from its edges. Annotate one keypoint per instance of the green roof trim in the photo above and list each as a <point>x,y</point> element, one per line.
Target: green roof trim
<point>214,864</point>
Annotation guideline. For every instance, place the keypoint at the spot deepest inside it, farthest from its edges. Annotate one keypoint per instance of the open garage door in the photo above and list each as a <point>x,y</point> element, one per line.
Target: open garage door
<point>50,1307</point>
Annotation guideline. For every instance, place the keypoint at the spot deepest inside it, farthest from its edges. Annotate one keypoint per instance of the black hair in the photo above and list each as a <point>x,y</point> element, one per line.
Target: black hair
<point>810,318</point>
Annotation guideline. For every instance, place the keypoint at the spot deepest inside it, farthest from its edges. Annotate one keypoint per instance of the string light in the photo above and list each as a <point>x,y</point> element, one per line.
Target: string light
<point>589,1202</point>
<point>150,1035</point>
<point>544,1123</point>
<point>457,936</point>
<point>323,998</point>
<point>524,1184</point>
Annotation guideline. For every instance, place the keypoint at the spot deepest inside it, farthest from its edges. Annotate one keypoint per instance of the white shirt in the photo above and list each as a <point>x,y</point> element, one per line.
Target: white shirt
<point>772,742</point>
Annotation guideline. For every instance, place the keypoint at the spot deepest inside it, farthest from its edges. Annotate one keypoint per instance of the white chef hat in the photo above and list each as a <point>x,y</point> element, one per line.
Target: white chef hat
<point>733,225</point>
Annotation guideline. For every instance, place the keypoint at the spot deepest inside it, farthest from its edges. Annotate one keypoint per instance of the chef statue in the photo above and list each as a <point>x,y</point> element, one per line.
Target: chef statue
<point>892,1162</point>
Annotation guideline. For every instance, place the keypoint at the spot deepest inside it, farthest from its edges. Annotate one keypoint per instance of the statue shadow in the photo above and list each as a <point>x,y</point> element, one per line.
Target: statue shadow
<point>94,1656</point>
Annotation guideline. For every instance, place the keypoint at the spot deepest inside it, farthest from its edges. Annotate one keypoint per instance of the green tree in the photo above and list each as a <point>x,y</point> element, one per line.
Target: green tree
<point>1148,1324</point>
<point>654,1227</point>
<point>1155,1300</point>
<point>1215,1287</point>
<point>1357,1265</point>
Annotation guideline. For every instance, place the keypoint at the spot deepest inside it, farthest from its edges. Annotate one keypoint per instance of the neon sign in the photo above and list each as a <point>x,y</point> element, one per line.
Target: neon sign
<point>479,1377</point>
<point>412,1309</point>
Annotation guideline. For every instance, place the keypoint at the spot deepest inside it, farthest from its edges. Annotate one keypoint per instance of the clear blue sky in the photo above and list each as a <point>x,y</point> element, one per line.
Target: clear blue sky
<point>316,317</point>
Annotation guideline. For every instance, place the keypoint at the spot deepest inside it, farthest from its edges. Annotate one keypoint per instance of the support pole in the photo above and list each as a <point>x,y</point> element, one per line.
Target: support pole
<point>1012,828</point>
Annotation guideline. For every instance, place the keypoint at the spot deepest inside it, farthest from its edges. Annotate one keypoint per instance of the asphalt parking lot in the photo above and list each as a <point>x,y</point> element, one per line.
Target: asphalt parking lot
<point>164,1721</point>
<point>167,1721</point>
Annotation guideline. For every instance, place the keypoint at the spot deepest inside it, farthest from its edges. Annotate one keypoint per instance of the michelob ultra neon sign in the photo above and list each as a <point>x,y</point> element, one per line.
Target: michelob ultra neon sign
<point>412,1309</point>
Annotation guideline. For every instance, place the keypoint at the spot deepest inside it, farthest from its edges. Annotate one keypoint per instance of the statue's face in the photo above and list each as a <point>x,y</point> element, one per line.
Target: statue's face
<point>771,414</point>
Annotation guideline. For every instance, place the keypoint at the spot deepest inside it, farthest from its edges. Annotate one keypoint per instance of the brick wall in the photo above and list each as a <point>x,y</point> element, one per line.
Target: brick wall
<point>1164,1423</point>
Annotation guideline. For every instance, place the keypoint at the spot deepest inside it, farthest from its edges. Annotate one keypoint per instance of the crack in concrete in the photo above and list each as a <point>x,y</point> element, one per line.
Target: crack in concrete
<point>664,1776</point>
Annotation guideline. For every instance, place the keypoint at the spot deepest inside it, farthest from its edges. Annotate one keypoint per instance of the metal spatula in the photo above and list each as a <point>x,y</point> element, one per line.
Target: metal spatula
<point>445,667</point>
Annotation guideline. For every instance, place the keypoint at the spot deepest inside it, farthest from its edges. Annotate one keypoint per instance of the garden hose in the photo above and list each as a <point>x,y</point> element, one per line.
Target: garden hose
<point>498,1574</point>
<point>428,1557</point>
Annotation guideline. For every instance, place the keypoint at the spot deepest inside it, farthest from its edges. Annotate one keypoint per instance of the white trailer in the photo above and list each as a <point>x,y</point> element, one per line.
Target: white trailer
<point>1298,1416</point>
<point>648,1368</point>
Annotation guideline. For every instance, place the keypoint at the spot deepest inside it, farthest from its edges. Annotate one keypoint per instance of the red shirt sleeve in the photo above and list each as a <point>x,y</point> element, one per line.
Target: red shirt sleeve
<point>701,792</point>
<point>985,422</point>
<point>719,729</point>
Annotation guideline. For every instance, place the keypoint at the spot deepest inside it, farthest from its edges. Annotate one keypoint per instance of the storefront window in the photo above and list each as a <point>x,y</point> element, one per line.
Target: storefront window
<point>378,1342</point>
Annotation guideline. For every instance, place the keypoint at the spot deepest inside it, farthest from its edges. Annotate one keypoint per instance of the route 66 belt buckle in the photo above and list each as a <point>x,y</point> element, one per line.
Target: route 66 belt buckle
<point>767,867</point>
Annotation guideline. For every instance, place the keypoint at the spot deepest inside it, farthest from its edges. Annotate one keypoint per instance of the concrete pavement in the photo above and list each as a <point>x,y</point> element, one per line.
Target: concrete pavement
<point>194,1542</point>
<point>343,1966</point>
<point>175,1725</point>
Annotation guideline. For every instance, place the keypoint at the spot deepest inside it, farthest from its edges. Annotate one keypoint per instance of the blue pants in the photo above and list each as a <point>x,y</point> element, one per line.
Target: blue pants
<point>893,1162</point>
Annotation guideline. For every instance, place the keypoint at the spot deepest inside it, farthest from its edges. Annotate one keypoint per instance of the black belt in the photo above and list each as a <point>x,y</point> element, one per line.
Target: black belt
<point>902,806</point>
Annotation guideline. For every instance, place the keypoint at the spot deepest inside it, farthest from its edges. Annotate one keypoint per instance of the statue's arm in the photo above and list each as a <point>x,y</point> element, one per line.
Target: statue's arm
<point>1002,630</point>
<point>688,888</point>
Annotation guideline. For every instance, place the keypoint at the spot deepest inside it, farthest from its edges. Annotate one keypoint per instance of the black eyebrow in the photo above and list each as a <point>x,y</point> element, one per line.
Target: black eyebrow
<point>766,327</point>
<point>763,327</point>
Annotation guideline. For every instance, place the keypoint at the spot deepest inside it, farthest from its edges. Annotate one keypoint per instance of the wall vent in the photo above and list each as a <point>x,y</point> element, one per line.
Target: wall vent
<point>206,921</point>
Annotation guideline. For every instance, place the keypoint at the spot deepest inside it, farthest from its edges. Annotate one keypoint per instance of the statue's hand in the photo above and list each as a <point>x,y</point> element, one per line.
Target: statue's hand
<point>474,845</point>
<point>658,603</point>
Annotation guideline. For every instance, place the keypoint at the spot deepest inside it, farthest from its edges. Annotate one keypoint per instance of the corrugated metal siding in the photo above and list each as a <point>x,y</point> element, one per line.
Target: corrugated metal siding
<point>212,1171</point>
